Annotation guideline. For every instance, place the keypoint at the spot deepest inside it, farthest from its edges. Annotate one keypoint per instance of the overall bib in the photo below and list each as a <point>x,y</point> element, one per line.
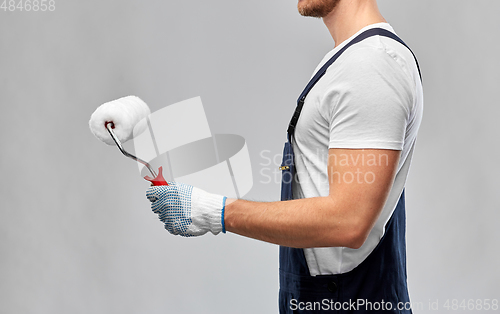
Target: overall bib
<point>380,280</point>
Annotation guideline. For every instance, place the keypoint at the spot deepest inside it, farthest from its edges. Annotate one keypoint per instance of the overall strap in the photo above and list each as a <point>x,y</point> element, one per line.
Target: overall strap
<point>368,33</point>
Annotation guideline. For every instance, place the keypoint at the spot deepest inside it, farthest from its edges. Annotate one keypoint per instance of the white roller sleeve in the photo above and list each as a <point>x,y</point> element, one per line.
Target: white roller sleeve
<point>125,113</point>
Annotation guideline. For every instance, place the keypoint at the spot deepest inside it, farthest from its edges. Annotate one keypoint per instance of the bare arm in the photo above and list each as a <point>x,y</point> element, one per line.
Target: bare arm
<point>343,218</point>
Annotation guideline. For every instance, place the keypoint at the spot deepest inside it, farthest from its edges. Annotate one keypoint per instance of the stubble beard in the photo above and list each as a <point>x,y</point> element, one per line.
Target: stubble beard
<point>316,8</point>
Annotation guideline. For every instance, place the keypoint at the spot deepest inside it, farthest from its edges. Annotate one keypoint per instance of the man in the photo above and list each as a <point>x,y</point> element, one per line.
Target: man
<point>342,236</point>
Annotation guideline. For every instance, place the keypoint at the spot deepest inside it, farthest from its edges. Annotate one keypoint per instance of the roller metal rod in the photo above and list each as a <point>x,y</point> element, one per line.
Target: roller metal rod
<point>109,127</point>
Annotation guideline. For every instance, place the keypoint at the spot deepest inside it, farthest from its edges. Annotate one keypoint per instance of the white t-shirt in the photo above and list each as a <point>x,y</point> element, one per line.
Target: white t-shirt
<point>370,98</point>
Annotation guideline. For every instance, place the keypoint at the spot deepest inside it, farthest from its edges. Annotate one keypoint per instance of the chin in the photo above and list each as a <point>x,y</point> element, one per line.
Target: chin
<point>316,8</point>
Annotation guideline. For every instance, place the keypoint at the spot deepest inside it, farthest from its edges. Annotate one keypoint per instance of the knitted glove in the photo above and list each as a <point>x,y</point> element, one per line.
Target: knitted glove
<point>186,210</point>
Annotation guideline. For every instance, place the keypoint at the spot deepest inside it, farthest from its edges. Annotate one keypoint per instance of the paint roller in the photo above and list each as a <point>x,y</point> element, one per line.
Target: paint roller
<point>117,121</point>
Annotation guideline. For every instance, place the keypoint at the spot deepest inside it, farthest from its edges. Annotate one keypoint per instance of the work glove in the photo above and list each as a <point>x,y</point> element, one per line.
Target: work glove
<point>186,210</point>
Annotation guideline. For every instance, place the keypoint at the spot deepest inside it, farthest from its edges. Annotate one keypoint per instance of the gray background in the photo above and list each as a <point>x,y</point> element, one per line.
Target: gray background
<point>76,232</point>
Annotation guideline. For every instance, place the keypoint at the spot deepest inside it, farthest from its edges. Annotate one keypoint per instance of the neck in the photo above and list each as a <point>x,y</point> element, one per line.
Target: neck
<point>349,16</point>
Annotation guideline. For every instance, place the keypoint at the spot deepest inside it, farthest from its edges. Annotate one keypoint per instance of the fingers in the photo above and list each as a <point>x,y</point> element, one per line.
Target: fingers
<point>162,198</point>
<point>155,193</point>
<point>172,204</point>
<point>152,195</point>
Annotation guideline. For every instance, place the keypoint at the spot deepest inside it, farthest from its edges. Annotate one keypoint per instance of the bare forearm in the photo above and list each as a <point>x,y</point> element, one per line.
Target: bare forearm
<point>343,218</point>
<point>311,222</point>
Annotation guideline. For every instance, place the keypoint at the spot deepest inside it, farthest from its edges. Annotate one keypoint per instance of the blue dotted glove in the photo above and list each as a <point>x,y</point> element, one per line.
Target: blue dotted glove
<point>186,210</point>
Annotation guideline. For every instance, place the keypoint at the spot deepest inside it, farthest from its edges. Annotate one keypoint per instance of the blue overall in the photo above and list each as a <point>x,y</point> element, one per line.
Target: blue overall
<point>378,283</point>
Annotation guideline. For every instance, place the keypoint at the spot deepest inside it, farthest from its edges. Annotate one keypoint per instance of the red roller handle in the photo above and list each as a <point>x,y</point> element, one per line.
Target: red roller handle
<point>159,180</point>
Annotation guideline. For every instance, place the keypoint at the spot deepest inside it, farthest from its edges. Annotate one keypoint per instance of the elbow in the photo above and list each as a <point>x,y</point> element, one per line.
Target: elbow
<point>357,228</point>
<point>352,224</point>
<point>356,237</point>
<point>356,242</point>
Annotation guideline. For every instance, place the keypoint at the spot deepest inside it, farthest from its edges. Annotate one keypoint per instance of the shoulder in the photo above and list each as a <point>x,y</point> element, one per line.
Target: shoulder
<point>367,77</point>
<point>372,66</point>
<point>378,58</point>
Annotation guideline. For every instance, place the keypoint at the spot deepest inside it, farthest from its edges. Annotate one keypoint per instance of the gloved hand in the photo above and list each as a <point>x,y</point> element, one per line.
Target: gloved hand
<point>186,210</point>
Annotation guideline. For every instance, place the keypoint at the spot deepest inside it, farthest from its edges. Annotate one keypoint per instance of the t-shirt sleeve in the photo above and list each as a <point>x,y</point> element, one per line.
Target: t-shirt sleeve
<point>370,107</point>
